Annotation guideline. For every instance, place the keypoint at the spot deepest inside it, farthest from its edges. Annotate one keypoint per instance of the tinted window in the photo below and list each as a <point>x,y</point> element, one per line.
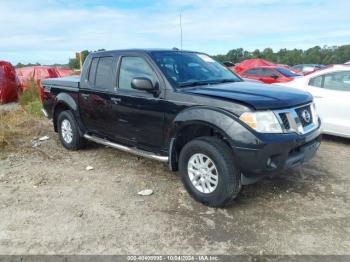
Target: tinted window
<point>337,81</point>
<point>104,73</point>
<point>253,72</point>
<point>267,72</point>
<point>132,67</point>
<point>92,72</point>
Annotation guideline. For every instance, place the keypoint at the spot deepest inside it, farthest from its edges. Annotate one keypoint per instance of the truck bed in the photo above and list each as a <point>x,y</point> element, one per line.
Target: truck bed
<point>69,81</point>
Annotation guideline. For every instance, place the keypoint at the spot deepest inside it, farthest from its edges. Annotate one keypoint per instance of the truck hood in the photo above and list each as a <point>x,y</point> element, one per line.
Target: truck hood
<point>259,96</point>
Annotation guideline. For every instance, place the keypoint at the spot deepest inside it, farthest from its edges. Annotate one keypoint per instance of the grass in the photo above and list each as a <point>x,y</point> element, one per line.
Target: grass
<point>13,125</point>
<point>30,99</point>
<point>17,126</point>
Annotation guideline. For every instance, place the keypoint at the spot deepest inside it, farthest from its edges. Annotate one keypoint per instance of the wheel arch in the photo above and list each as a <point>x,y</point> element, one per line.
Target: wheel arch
<point>64,102</point>
<point>200,121</point>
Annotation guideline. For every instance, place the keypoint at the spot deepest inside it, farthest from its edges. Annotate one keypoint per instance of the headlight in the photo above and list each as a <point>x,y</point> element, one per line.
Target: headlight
<point>262,121</point>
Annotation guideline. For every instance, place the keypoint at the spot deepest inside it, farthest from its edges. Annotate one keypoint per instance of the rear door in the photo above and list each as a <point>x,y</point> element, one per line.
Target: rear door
<point>96,97</point>
<point>332,95</point>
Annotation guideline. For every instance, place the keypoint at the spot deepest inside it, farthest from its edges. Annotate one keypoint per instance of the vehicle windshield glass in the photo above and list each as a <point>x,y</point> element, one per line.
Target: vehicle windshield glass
<point>286,72</point>
<point>190,69</point>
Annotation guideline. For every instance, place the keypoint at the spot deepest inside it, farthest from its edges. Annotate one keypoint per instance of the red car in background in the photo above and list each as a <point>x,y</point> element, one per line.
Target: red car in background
<point>269,74</point>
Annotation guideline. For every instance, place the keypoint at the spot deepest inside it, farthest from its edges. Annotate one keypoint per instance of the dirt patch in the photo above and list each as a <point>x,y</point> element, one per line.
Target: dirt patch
<point>50,204</point>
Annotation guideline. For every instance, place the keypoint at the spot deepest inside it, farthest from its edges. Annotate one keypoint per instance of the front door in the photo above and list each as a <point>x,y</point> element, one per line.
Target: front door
<point>332,95</point>
<point>140,113</point>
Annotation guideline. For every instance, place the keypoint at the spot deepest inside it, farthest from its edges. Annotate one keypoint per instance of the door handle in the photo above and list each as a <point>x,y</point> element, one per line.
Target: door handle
<point>116,100</point>
<point>85,96</point>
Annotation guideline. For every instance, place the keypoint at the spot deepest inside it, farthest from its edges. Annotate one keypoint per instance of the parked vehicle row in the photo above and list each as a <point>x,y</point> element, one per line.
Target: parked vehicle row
<point>186,109</point>
<point>307,68</point>
<point>269,74</point>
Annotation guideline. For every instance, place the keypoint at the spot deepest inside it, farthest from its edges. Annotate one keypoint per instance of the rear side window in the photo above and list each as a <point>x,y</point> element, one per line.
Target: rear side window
<point>267,72</point>
<point>92,72</point>
<point>105,73</point>
<point>286,72</point>
<point>132,67</point>
<point>253,72</point>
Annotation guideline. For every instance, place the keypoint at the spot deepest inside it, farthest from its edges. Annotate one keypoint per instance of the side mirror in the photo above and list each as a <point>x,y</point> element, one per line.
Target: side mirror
<point>274,76</point>
<point>142,83</point>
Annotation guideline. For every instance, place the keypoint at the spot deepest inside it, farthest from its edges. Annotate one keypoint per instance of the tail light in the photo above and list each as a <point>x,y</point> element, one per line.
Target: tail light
<point>41,89</point>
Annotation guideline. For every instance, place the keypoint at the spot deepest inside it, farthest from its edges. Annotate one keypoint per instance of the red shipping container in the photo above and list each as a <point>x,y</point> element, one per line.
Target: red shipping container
<point>63,71</point>
<point>8,83</point>
<point>36,73</point>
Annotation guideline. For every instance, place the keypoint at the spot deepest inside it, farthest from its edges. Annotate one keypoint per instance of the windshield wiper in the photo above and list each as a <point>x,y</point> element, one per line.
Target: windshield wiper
<point>227,80</point>
<point>194,83</point>
<point>208,82</point>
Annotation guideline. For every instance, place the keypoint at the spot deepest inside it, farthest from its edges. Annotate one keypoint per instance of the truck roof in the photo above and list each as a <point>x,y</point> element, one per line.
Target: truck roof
<point>143,50</point>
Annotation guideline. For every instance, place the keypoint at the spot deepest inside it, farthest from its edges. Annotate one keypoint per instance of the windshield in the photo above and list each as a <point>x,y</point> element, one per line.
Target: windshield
<point>286,72</point>
<point>190,69</point>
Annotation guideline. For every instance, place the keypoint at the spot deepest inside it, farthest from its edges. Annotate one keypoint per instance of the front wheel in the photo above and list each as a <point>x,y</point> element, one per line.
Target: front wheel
<point>208,171</point>
<point>68,131</point>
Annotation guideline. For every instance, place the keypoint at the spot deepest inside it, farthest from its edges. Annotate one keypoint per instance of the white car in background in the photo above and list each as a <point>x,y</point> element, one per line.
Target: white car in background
<point>331,90</point>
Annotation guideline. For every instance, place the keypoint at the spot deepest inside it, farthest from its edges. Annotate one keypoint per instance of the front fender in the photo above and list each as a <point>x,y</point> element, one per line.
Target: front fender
<point>227,123</point>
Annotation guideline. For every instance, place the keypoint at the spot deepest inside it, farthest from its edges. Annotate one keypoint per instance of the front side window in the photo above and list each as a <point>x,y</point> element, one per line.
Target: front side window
<point>316,81</point>
<point>132,67</point>
<point>337,81</point>
<point>104,73</point>
<point>189,68</point>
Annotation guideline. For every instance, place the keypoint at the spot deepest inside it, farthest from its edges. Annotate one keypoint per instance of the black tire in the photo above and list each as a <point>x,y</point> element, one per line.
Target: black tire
<point>229,176</point>
<point>77,140</point>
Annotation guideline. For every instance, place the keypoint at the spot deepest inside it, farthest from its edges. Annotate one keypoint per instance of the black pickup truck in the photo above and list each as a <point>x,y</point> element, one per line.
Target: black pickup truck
<point>186,109</point>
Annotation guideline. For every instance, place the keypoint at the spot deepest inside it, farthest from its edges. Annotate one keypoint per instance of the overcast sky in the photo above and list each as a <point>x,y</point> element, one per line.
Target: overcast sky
<point>51,31</point>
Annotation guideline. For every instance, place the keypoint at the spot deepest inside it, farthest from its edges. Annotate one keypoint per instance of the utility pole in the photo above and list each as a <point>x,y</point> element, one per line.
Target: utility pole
<point>79,57</point>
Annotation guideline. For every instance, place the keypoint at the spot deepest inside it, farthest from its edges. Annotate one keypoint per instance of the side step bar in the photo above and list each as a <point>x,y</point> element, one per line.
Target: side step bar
<point>131,150</point>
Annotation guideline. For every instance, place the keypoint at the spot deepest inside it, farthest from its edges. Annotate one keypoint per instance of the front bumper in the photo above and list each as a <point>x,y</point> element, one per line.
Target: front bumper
<point>275,152</point>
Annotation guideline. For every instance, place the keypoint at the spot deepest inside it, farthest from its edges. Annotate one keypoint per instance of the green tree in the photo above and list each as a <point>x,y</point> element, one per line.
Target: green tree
<point>73,63</point>
<point>314,55</point>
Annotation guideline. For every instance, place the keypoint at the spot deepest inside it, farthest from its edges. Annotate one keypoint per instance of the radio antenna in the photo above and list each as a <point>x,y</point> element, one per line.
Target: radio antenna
<point>181,30</point>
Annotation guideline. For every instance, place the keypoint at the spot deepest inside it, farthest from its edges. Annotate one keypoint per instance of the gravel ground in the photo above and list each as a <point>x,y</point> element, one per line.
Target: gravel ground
<point>50,204</point>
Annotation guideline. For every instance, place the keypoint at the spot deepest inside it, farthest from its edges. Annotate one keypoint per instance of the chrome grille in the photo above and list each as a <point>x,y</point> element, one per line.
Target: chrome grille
<point>292,119</point>
<point>300,111</point>
<point>284,120</point>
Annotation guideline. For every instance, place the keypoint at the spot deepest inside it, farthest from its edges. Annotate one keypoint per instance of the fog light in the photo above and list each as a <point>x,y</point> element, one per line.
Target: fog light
<point>270,163</point>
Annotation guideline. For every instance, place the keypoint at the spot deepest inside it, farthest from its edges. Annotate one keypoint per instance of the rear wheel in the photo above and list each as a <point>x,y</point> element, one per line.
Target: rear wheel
<point>68,131</point>
<point>208,171</point>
